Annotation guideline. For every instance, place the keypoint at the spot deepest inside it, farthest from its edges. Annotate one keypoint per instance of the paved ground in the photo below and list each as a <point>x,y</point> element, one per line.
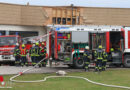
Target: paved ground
<point>5,70</point>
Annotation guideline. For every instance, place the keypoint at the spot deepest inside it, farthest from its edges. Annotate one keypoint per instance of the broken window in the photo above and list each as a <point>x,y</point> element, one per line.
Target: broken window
<point>68,19</point>
<point>63,20</point>
<point>73,21</point>
<point>58,20</point>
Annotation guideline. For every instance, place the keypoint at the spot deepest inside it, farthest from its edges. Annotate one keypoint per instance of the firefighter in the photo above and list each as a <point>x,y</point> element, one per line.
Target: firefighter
<point>110,55</point>
<point>17,55</point>
<point>23,55</point>
<point>99,55</point>
<point>36,53</point>
<point>104,61</point>
<point>86,58</point>
<point>43,54</point>
<point>31,54</point>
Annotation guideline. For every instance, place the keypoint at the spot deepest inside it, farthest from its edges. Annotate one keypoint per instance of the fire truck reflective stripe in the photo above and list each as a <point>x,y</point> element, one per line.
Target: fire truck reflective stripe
<point>128,39</point>
<point>107,42</point>
<point>6,48</point>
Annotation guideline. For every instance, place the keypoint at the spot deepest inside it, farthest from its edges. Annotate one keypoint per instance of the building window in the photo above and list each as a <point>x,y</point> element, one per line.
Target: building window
<point>58,20</point>
<point>68,19</point>
<point>54,20</point>
<point>73,21</point>
<point>64,16</point>
<point>63,21</point>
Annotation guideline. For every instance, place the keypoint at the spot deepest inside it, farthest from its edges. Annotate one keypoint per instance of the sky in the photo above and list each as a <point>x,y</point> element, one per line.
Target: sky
<point>86,3</point>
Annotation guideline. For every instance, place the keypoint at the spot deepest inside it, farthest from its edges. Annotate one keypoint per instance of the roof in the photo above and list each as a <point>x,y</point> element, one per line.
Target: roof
<point>12,14</point>
<point>81,3</point>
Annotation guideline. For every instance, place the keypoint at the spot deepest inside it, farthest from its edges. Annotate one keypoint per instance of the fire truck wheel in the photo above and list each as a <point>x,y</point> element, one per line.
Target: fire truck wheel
<point>79,63</point>
<point>127,61</point>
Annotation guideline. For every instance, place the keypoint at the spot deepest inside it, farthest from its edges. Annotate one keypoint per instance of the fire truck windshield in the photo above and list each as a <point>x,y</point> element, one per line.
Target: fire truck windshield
<point>8,41</point>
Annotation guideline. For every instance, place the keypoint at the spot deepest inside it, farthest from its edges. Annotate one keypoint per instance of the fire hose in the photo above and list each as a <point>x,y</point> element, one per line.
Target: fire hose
<point>45,78</point>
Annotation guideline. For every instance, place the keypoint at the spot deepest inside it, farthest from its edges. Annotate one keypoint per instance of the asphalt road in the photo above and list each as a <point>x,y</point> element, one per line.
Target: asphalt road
<point>7,70</point>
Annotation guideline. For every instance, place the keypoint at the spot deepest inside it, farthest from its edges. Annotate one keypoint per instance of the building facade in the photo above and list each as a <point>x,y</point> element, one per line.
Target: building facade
<point>28,21</point>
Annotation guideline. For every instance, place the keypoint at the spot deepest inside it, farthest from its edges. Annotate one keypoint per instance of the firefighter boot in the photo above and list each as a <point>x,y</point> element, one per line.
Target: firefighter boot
<point>100,69</point>
<point>103,68</point>
<point>86,69</point>
<point>22,64</point>
<point>26,64</point>
<point>40,65</point>
<point>16,63</point>
<point>96,69</point>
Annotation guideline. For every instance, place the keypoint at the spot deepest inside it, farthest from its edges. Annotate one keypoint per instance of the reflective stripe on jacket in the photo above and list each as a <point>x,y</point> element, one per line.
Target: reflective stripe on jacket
<point>32,52</point>
<point>16,52</point>
<point>100,54</point>
<point>86,54</point>
<point>36,51</point>
<point>23,52</point>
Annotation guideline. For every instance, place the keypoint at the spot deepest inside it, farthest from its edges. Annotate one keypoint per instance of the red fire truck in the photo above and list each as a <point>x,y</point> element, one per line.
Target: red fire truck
<point>7,45</point>
<point>67,43</point>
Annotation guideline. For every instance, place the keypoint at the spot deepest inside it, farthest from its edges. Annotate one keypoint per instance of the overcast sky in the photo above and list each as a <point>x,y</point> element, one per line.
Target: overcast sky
<point>87,3</point>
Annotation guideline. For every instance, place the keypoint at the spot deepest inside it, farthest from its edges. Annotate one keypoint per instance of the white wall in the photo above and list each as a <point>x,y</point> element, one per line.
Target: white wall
<point>40,29</point>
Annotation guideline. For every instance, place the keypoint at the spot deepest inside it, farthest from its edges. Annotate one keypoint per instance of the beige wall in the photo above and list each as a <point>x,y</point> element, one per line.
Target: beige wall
<point>106,16</point>
<point>22,15</point>
<point>32,16</point>
<point>10,14</point>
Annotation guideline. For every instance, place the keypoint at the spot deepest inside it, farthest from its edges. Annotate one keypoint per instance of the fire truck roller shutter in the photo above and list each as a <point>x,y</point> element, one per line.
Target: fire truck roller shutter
<point>115,43</point>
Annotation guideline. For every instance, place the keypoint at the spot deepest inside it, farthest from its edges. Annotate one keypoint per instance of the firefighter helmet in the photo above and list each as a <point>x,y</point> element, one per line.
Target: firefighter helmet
<point>87,47</point>
<point>23,45</point>
<point>33,45</point>
<point>37,43</point>
<point>100,46</point>
<point>17,44</point>
<point>112,49</point>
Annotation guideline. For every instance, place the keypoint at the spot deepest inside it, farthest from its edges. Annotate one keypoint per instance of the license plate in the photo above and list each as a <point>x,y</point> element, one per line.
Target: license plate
<point>6,57</point>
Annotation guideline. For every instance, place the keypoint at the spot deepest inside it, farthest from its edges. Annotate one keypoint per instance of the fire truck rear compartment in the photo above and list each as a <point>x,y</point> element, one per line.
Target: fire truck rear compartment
<point>115,43</point>
<point>115,39</point>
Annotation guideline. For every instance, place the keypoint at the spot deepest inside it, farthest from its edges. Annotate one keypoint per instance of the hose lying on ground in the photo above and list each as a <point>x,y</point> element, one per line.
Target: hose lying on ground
<point>5,87</point>
<point>18,81</point>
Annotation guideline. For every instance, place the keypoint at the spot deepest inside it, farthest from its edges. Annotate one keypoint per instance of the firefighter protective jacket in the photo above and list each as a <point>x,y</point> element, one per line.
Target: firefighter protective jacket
<point>16,51</point>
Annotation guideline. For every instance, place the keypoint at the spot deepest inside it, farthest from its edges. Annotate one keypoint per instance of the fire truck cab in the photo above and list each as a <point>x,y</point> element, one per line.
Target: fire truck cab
<point>7,45</point>
<point>67,43</point>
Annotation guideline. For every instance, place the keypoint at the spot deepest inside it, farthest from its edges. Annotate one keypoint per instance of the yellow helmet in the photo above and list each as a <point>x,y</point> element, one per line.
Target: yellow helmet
<point>112,49</point>
<point>23,45</point>
<point>100,46</point>
<point>37,43</point>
